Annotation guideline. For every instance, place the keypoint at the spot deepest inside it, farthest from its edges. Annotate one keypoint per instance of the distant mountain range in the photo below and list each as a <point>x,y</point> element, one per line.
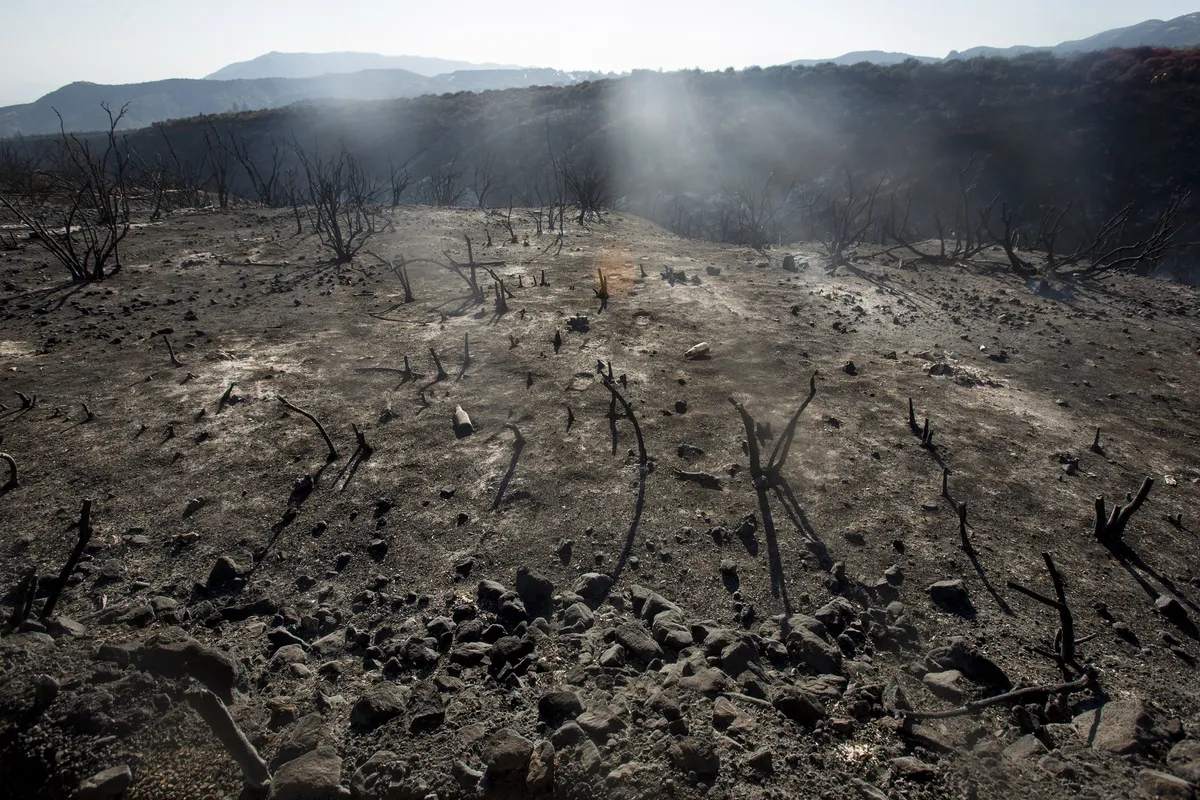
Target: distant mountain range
<point>79,103</point>
<point>280,79</point>
<point>1179,32</point>
<point>310,65</point>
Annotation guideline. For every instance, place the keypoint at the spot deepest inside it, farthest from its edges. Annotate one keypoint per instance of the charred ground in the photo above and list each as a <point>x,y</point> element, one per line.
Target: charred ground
<point>341,579</point>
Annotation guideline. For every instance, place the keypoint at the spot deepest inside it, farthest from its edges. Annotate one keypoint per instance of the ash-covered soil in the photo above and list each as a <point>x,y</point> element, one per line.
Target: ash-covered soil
<point>422,618</point>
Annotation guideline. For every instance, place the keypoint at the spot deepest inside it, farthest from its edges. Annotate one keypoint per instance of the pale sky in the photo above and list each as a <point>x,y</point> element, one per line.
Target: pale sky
<point>46,45</point>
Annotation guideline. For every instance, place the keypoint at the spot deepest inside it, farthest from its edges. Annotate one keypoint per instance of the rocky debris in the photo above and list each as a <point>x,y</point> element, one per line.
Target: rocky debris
<point>378,705</point>
<point>540,775</point>
<point>1026,748</point>
<point>316,775</point>
<point>971,662</point>
<point>506,751</point>
<point>806,647</point>
<point>798,705</point>
<point>305,735</point>
<point>225,574</point>
<point>693,754</point>
<point>1118,726</point>
<point>951,595</point>
<point>490,592</point>
<point>638,642</point>
<point>578,618</point>
<point>738,657</point>
<point>600,722</point>
<point>761,760</point>
<point>709,681</point>
<point>173,654</point>
<point>110,783</point>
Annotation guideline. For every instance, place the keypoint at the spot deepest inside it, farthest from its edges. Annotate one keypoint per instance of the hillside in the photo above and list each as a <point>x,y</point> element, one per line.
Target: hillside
<point>308,65</point>
<point>156,101</point>
<point>538,608</point>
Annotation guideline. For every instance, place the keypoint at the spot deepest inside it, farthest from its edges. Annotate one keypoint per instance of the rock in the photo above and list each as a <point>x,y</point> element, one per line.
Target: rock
<point>600,722</point>
<point>1168,606</point>
<point>282,637</point>
<point>826,687</point>
<point>304,737</point>
<point>1027,748</point>
<point>1162,786</point>
<point>972,663</point>
<point>1184,760</point>
<point>464,775</point>
<point>613,657</point>
<point>374,779</point>
<point>692,754</point>
<point>511,608</point>
<point>946,685</point>
<point>380,704</point>
<point>416,653</point>
<point>789,263</point>
<point>638,642</point>
<point>914,769</point>
<point>174,656</point>
<point>709,681</point>
<point>110,783</point>
<point>489,592</point>
<point>223,574</point>
<point>1118,726</point>
<point>578,617</point>
<point>761,760</point>
<point>506,751</point>
<point>724,713</point>
<point>805,647</point>
<point>426,710</point>
<point>65,626</point>
<point>738,657</point>
<point>558,705</point>
<point>798,705</point>
<point>836,614</point>
<point>540,775</point>
<point>470,654</point>
<point>535,590</point>
<point>313,776</point>
<point>951,595</point>
<point>593,586</point>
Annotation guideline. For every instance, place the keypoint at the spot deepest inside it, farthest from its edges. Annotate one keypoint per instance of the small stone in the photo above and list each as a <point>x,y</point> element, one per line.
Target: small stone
<point>913,769</point>
<point>947,685</point>
<point>693,754</point>
<point>950,595</point>
<point>536,591</point>
<point>638,642</point>
<point>1027,748</point>
<point>600,722</point>
<point>593,586</point>
<point>558,705</point>
<point>540,775</point>
<point>426,710</point>
<point>380,704</point>
<point>506,751</point>
<point>761,760</point>
<point>578,617</point>
<point>1170,608</point>
<point>1118,726</point>
<point>613,657</point>
<point>1162,786</point>
<point>223,574</point>
<point>1184,760</point>
<point>313,776</point>
<point>798,705</point>
<point>110,783</point>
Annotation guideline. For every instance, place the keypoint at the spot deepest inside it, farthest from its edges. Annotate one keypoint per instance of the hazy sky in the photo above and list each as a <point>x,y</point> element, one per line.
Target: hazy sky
<point>46,45</point>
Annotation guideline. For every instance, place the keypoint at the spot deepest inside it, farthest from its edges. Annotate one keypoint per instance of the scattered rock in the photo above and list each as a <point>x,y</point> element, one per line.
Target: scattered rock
<point>381,703</point>
<point>174,656</point>
<point>593,586</point>
<point>951,595</point>
<point>798,705</point>
<point>540,775</point>
<point>558,705</point>
<point>536,591</point>
<point>506,751</point>
<point>1027,748</point>
<point>426,710</point>
<point>1184,760</point>
<point>692,754</point>
<point>313,776</point>
<point>1118,726</point>
<point>600,722</point>
<point>638,642</point>
<point>913,769</point>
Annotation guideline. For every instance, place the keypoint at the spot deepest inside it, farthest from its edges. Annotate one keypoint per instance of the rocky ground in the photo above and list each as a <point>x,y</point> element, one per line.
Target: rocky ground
<point>529,607</point>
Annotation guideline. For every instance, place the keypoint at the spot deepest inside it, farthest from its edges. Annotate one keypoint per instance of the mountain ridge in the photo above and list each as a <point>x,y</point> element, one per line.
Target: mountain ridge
<point>310,65</point>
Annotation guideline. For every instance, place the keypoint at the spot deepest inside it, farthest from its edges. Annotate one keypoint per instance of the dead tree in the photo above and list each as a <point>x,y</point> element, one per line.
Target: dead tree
<point>154,178</point>
<point>1110,528</point>
<point>602,292</point>
<point>518,446</point>
<point>1064,639</point>
<point>399,178</point>
<point>333,453</point>
<point>1008,237</point>
<point>85,535</point>
<point>12,482</point>
<point>23,598</point>
<point>95,219</point>
<point>187,176</point>
<point>220,161</point>
<point>444,186</point>
<point>846,218</point>
<point>175,362</point>
<point>484,179</point>
<point>343,202</point>
<point>264,174</point>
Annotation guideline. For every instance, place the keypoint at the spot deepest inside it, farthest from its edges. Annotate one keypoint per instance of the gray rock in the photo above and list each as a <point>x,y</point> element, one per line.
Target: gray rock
<point>1027,748</point>
<point>947,685</point>
<point>1184,760</point>
<point>693,754</point>
<point>972,663</point>
<point>914,769</point>
<point>315,775</point>
<point>1118,726</point>
<point>470,654</point>
<point>426,710</point>
<point>638,642</point>
<point>536,590</point>
<point>379,777</point>
<point>578,617</point>
<point>826,687</point>
<point>305,736</point>
<point>490,591</point>
<point>600,722</point>
<point>805,647</point>
<point>416,653</point>
<point>223,574</point>
<point>65,626</point>
<point>558,705</point>
<point>798,705</point>
<point>540,775</point>
<point>951,595</point>
<point>836,614</point>
<point>567,735</point>
<point>709,681</point>
<point>593,586</point>
<point>506,751</point>
<point>613,657</point>
<point>738,657</point>
<point>1162,786</point>
<point>381,703</point>
<point>761,760</point>
<point>110,783</point>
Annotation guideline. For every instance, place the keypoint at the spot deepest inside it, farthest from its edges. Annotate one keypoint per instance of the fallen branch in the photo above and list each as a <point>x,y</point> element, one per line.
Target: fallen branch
<point>26,400</point>
<point>213,711</point>
<point>1086,681</point>
<point>85,534</point>
<point>333,453</point>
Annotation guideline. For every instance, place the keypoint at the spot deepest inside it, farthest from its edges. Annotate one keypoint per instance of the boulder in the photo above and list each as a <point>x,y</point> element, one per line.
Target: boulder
<point>109,783</point>
<point>536,590</point>
<point>693,754</point>
<point>798,705</point>
<point>805,647</point>
<point>1162,786</point>
<point>313,776</point>
<point>378,705</point>
<point>593,586</point>
<point>1118,726</point>
<point>951,595</point>
<point>638,642</point>
<point>506,751</point>
<point>558,705</point>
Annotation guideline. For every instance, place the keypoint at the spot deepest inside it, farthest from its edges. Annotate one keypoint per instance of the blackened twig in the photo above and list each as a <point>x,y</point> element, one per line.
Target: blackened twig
<point>85,534</point>
<point>333,453</point>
